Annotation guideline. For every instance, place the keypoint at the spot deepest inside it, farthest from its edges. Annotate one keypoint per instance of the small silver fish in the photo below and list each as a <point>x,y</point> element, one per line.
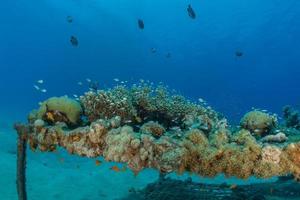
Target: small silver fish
<point>40,81</point>
<point>88,80</point>
<point>43,90</point>
<point>201,100</point>
<point>75,95</point>
<point>116,79</point>
<point>36,87</point>
<point>79,83</point>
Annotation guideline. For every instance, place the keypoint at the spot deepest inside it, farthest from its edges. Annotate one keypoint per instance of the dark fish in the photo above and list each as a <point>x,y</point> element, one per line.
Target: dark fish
<point>191,12</point>
<point>74,41</point>
<point>69,19</point>
<point>168,55</point>
<point>153,50</point>
<point>94,85</point>
<point>239,54</point>
<point>141,24</point>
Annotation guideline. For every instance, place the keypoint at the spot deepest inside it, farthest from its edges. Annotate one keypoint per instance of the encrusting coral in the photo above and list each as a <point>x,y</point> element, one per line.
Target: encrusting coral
<point>258,122</point>
<point>148,127</point>
<point>59,109</point>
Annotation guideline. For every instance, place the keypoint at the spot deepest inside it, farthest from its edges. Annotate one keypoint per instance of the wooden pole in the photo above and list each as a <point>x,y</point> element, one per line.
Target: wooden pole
<point>21,161</point>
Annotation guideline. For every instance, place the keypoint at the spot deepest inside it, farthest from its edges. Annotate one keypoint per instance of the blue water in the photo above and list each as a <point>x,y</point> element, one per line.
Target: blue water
<point>34,40</point>
<point>34,44</point>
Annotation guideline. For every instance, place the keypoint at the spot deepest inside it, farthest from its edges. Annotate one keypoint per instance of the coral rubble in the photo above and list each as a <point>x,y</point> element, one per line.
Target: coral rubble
<point>149,127</point>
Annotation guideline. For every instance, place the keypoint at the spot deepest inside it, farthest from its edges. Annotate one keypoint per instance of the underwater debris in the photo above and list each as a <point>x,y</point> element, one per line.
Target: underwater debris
<point>171,189</point>
<point>69,19</point>
<point>22,131</point>
<point>191,12</point>
<point>148,127</point>
<point>141,24</point>
<point>74,41</point>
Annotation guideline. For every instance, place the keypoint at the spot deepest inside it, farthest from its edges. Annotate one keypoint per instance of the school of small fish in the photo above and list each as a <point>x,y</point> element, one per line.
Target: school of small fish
<point>38,85</point>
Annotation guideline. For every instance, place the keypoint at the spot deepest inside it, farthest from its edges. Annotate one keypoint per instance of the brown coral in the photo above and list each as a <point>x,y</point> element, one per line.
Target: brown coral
<point>258,122</point>
<point>153,128</point>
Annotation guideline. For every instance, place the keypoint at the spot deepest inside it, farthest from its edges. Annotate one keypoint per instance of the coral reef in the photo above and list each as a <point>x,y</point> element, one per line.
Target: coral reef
<point>148,127</point>
<point>153,128</point>
<point>258,122</point>
<point>58,109</point>
<point>143,103</point>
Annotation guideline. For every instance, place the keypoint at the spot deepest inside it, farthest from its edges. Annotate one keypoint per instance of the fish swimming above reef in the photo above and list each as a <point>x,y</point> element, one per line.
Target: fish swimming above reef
<point>74,41</point>
<point>153,50</point>
<point>69,19</point>
<point>239,54</point>
<point>141,24</point>
<point>168,55</point>
<point>94,85</point>
<point>36,87</point>
<point>191,12</point>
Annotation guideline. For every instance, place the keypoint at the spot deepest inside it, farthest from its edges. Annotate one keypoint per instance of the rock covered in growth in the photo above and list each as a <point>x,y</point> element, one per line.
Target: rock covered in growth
<point>237,154</point>
<point>197,137</point>
<point>149,128</point>
<point>60,109</point>
<point>278,138</point>
<point>153,128</point>
<point>258,122</point>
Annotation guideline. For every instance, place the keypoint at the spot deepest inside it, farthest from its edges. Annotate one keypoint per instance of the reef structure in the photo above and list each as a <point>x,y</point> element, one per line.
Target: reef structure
<point>149,127</point>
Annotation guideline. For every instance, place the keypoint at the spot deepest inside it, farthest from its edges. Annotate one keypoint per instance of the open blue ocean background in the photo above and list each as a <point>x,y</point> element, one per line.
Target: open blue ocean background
<point>35,44</point>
